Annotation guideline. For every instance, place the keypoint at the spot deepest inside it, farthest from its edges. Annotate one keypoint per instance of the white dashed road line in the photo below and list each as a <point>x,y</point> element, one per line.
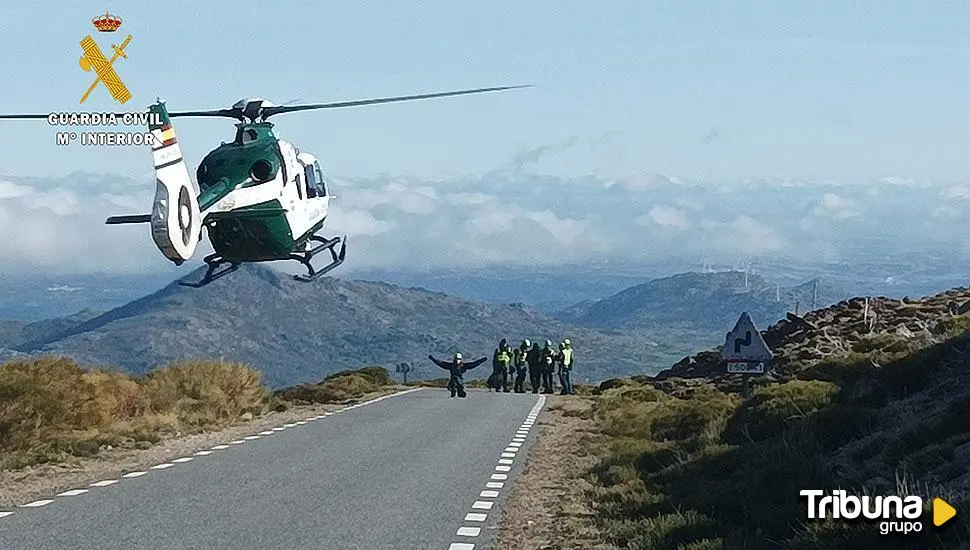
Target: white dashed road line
<point>131,475</point>
<point>498,477</point>
<point>37,504</point>
<point>104,483</point>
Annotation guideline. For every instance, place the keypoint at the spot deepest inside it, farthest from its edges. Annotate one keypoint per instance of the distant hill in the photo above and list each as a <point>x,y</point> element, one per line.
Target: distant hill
<point>17,334</point>
<point>699,301</point>
<point>297,332</point>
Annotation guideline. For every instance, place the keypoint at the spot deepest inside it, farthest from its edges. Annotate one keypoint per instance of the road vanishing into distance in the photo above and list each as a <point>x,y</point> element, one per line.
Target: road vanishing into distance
<point>416,470</point>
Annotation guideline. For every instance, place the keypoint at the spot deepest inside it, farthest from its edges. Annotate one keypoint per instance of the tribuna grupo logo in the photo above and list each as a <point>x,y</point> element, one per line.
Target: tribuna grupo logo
<point>898,514</point>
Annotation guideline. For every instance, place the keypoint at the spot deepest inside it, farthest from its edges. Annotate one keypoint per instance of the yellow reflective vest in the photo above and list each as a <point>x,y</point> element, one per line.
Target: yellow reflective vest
<point>567,357</point>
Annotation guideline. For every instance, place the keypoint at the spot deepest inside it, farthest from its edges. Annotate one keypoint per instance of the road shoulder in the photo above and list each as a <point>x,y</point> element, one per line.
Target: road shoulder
<point>548,508</point>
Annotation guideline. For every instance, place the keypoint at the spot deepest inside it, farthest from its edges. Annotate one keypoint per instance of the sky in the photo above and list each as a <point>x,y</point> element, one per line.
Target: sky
<point>758,89</point>
<point>721,130</point>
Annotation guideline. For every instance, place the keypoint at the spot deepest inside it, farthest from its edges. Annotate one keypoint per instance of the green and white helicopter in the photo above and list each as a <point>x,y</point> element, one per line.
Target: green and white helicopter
<point>260,198</point>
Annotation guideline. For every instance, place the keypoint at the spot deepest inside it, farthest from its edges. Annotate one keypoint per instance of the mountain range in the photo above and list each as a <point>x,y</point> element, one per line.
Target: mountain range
<point>298,332</point>
<point>700,302</point>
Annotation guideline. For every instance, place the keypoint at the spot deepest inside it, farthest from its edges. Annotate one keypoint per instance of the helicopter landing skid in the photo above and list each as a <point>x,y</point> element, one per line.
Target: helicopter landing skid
<point>336,257</point>
<point>214,261</point>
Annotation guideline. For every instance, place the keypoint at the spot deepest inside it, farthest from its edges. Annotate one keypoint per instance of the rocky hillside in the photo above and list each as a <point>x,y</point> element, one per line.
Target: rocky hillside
<point>297,332</point>
<point>869,395</point>
<point>699,301</point>
<point>860,329</point>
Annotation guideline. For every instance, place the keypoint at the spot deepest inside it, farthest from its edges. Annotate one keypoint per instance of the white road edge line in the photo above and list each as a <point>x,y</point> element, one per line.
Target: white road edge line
<point>203,453</point>
<point>5,514</point>
<point>37,503</point>
<point>183,459</point>
<point>162,466</point>
<point>130,475</point>
<point>472,516</point>
<point>488,494</point>
<point>469,531</point>
<point>72,493</point>
<point>461,546</point>
<point>220,447</point>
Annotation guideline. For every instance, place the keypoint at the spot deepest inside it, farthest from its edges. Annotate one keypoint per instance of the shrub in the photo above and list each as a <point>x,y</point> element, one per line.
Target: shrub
<point>204,393</point>
<point>771,409</point>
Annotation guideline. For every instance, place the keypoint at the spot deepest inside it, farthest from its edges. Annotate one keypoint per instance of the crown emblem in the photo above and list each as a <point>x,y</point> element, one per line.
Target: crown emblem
<point>107,22</point>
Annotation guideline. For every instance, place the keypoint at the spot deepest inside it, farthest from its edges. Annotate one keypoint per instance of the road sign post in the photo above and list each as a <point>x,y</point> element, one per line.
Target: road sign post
<point>404,369</point>
<point>745,351</point>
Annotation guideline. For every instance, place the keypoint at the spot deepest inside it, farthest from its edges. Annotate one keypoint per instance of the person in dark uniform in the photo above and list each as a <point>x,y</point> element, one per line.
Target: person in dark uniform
<point>534,358</point>
<point>521,365</point>
<point>457,368</point>
<point>550,357</point>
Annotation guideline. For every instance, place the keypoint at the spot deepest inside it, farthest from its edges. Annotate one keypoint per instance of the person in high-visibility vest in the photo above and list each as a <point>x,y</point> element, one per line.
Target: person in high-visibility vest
<point>501,360</point>
<point>566,367</point>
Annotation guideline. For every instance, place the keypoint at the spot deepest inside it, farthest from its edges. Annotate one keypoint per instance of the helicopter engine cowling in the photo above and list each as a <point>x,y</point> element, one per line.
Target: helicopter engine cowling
<point>176,220</point>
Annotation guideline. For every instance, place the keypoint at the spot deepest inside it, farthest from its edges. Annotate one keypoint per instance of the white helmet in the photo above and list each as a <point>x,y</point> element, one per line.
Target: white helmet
<point>457,356</point>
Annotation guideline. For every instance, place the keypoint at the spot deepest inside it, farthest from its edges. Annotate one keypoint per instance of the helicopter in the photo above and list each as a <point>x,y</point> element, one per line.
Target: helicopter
<point>260,198</point>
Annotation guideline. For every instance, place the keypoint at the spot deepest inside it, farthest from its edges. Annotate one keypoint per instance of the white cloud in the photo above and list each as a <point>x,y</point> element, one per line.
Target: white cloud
<point>665,216</point>
<point>836,206</point>
<point>958,192</point>
<point>498,218</point>
<point>10,190</point>
<point>358,223</point>
<point>747,237</point>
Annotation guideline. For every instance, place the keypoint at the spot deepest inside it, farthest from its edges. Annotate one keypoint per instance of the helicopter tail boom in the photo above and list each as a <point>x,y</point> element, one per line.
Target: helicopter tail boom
<point>175,218</point>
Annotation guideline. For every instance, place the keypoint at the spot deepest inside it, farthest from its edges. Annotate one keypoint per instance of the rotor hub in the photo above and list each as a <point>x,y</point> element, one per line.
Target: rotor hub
<point>252,108</point>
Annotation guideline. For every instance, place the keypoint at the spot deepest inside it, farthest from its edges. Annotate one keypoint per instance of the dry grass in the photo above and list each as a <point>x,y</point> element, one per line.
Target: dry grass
<point>52,410</point>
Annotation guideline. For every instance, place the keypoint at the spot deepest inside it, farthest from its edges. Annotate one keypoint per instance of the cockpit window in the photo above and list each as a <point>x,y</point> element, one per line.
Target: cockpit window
<point>248,136</point>
<point>316,187</point>
<point>321,185</point>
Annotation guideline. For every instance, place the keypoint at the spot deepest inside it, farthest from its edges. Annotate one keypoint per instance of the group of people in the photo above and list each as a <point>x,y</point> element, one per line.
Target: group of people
<point>513,364</point>
<point>540,364</point>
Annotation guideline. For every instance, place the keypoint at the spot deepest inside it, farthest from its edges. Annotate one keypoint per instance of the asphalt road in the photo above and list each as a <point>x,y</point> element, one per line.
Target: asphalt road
<point>406,473</point>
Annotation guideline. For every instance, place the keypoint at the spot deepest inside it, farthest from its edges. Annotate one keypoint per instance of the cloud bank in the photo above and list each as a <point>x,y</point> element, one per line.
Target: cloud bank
<point>527,213</point>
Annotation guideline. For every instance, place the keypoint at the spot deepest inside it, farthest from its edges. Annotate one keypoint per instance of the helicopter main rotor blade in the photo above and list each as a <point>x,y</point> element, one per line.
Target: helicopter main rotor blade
<point>267,112</point>
<point>270,111</point>
<point>229,113</point>
<point>15,117</point>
